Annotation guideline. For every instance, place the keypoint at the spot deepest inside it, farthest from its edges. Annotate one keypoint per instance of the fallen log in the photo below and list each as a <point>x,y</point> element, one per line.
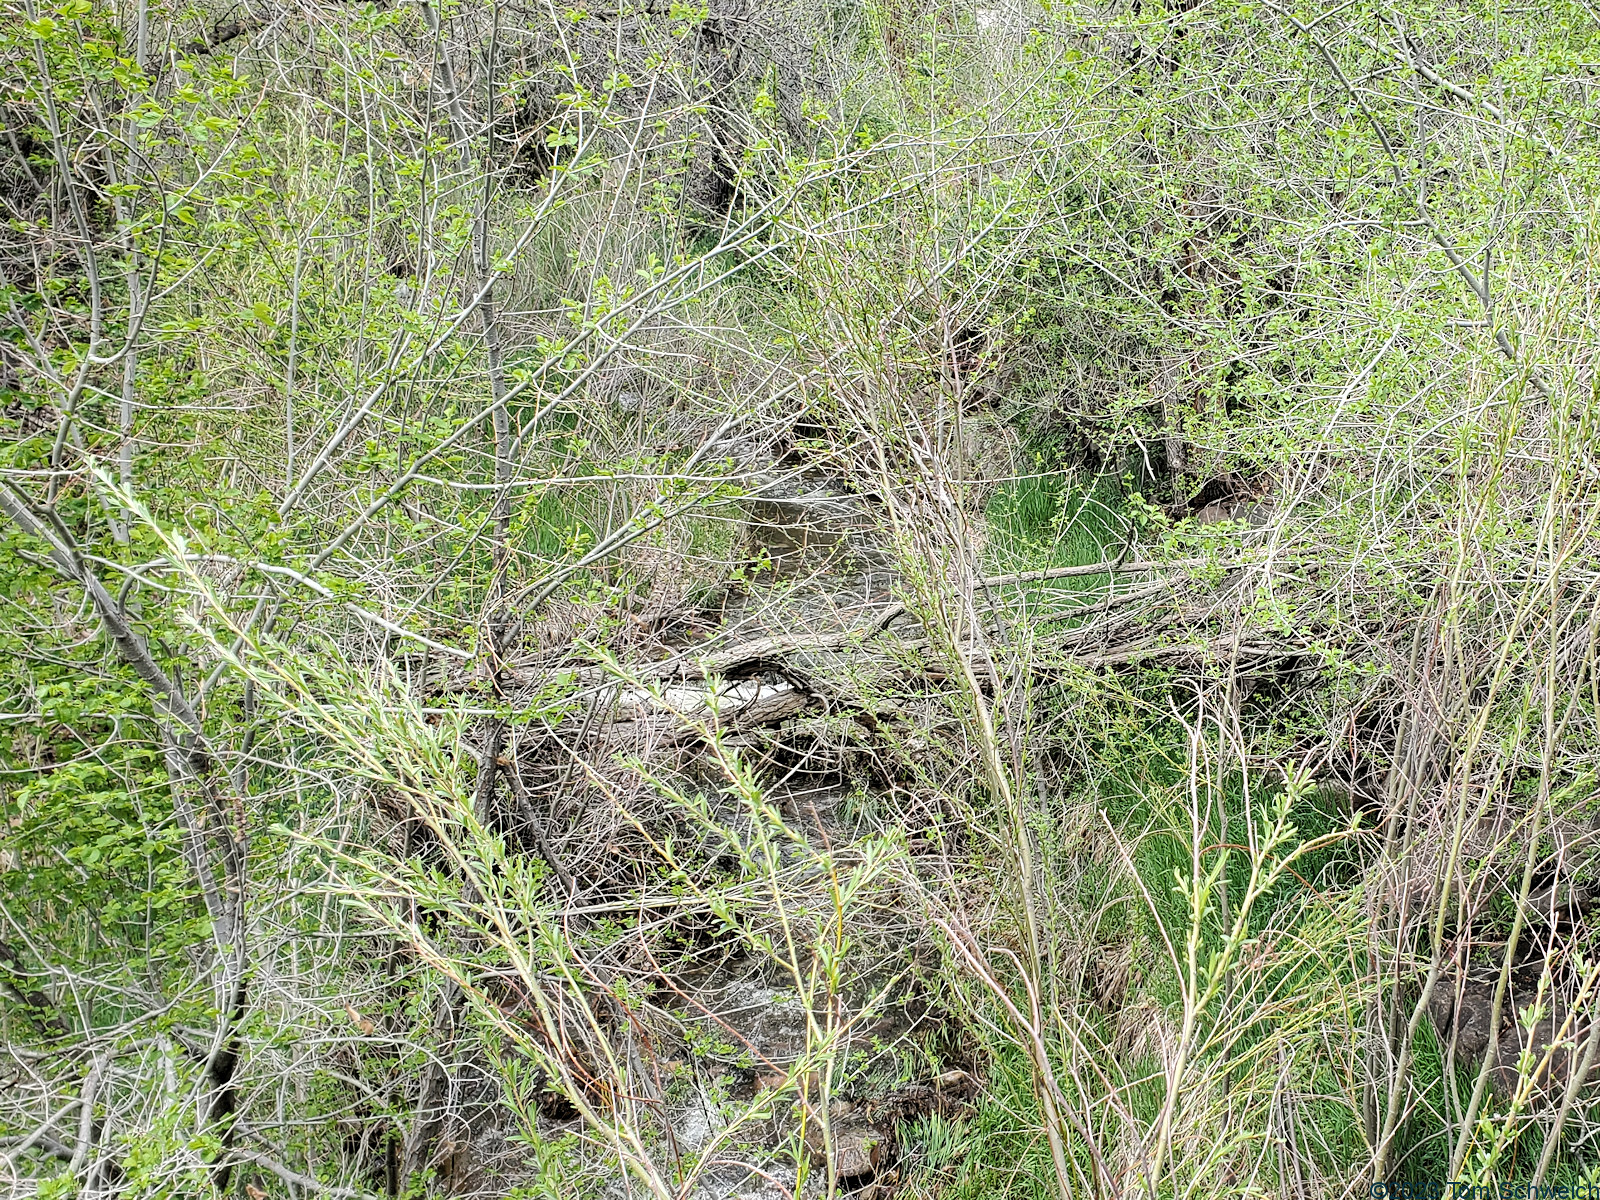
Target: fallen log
<point>766,680</point>
<point>738,705</point>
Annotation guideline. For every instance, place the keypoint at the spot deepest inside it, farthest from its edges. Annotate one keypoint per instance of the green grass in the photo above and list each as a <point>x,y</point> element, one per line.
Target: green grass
<point>999,1149</point>
<point>1042,521</point>
<point>1051,520</point>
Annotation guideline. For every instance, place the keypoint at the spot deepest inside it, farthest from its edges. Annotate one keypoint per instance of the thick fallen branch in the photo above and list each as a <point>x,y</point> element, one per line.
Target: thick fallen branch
<point>682,710</point>
<point>775,678</point>
<point>703,663</point>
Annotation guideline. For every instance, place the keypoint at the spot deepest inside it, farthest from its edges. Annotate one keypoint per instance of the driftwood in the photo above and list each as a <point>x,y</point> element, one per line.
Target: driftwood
<point>767,680</point>
<point>743,704</point>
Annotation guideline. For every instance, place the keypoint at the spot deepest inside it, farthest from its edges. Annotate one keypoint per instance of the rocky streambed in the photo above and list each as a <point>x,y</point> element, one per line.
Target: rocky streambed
<point>754,1075</point>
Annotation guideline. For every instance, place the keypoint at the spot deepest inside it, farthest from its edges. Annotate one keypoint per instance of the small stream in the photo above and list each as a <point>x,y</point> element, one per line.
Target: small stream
<point>741,1026</point>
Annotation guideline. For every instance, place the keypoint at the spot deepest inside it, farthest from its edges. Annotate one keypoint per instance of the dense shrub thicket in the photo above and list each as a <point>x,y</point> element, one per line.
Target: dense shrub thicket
<point>793,600</point>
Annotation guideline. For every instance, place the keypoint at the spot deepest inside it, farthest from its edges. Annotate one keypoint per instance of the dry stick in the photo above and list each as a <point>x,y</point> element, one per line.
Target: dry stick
<point>1232,734</point>
<point>1448,651</point>
<point>292,363</point>
<point>751,228</point>
<point>1192,998</point>
<point>18,1146</point>
<point>1000,784</point>
<point>294,1179</point>
<point>137,297</point>
<point>426,1128</point>
<point>432,347</point>
<point>1540,1066</point>
<point>1575,1084</point>
<point>1118,601</point>
<point>485,280</point>
<point>1290,1128</point>
<point>1480,290</point>
<point>1399,777</point>
<point>756,649</point>
<point>63,555</point>
<point>1033,1041</point>
<point>1529,862</point>
<point>1466,95</point>
<point>436,1078</point>
<point>1447,888</point>
<point>624,1137</point>
<point>525,808</point>
<point>312,585</point>
<point>1277,1122</point>
<point>536,594</point>
<point>91,260</point>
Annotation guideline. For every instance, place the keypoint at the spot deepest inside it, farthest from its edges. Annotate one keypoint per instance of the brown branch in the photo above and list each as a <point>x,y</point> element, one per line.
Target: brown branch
<point>759,650</point>
<point>536,825</point>
<point>42,1142</point>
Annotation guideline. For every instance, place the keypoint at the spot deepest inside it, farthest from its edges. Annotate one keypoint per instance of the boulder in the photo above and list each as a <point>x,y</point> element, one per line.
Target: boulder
<point>1549,1075</point>
<point>1462,1011</point>
<point>860,1147</point>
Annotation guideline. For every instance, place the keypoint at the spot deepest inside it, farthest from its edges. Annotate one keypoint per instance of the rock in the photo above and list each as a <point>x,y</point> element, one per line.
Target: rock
<point>860,1148</point>
<point>1549,1079</point>
<point>1464,1011</point>
<point>857,1153</point>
